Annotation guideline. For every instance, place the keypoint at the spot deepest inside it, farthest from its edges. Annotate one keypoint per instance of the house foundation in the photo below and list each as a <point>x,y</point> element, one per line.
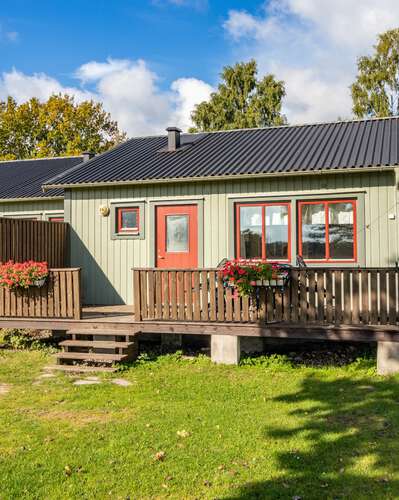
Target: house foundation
<point>387,358</point>
<point>225,349</point>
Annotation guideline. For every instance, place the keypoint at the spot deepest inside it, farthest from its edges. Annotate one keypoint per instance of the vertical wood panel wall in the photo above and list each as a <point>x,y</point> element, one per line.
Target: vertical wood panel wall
<point>109,262</point>
<point>313,296</point>
<point>22,240</point>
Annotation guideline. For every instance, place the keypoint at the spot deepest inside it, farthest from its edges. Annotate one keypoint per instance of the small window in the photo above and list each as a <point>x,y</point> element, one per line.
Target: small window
<point>263,231</point>
<point>128,220</point>
<point>327,230</point>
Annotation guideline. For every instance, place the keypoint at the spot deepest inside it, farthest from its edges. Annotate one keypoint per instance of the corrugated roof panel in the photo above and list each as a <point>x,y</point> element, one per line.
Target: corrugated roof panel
<point>266,150</point>
<point>24,178</point>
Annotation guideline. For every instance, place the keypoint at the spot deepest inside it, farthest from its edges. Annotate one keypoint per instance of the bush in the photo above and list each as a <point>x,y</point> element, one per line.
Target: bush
<point>23,339</point>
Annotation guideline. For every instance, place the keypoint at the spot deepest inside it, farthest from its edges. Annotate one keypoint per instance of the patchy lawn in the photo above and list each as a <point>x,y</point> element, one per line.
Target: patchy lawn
<point>188,429</point>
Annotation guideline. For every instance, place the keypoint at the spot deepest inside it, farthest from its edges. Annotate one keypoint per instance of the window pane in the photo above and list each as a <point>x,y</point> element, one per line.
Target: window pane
<point>313,231</point>
<point>341,230</point>
<point>250,232</point>
<point>276,225</point>
<point>129,219</point>
<point>177,233</point>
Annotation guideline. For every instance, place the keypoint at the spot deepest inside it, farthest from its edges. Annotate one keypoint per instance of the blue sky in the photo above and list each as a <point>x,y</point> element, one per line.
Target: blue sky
<point>150,61</point>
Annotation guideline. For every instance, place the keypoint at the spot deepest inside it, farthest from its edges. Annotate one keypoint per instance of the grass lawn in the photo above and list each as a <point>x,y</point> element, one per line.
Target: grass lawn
<point>264,431</point>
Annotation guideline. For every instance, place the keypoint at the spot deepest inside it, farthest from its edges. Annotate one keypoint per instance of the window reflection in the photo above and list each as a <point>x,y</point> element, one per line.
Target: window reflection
<point>251,232</point>
<point>276,232</point>
<point>313,231</point>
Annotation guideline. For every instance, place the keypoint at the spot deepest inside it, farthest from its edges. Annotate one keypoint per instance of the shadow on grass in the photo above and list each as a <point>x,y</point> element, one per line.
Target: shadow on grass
<point>348,434</point>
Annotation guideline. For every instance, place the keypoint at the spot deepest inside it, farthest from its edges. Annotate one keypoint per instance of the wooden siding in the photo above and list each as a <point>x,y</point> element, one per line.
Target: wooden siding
<point>22,240</point>
<point>107,263</point>
<point>60,297</point>
<point>40,208</point>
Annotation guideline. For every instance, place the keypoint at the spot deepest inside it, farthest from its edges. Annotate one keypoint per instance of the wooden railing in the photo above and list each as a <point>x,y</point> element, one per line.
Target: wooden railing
<point>349,296</point>
<point>60,297</point>
<point>22,240</point>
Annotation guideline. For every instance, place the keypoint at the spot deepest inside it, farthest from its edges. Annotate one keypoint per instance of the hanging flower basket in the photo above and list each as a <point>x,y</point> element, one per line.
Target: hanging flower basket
<point>15,275</point>
<point>39,283</point>
<point>248,275</point>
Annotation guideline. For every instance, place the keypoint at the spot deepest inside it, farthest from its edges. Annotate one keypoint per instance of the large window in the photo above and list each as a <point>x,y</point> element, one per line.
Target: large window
<point>327,230</point>
<point>263,231</point>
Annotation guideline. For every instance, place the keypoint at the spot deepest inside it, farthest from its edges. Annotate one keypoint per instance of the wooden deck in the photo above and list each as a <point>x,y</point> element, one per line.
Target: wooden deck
<point>121,320</point>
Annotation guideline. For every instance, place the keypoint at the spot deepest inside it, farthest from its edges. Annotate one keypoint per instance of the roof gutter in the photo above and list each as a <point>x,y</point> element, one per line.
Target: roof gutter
<point>83,185</point>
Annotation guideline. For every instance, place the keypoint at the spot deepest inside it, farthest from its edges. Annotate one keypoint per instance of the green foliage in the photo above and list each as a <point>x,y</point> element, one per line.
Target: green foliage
<point>22,339</point>
<point>57,127</point>
<point>271,361</point>
<point>241,101</point>
<point>375,93</point>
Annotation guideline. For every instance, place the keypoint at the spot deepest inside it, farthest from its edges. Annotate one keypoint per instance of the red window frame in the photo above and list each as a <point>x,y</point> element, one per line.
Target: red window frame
<point>56,219</point>
<point>326,204</point>
<point>263,205</point>
<point>122,230</point>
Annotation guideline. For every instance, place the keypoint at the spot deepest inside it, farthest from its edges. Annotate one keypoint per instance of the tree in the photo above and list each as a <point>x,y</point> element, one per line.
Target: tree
<point>376,89</point>
<point>57,127</point>
<point>241,101</point>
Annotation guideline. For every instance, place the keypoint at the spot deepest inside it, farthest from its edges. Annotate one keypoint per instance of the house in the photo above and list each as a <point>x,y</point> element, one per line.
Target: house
<point>21,193</point>
<point>326,191</point>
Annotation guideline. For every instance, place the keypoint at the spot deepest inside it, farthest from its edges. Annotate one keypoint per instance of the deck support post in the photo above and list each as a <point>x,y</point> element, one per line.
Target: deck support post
<point>225,349</point>
<point>387,358</point>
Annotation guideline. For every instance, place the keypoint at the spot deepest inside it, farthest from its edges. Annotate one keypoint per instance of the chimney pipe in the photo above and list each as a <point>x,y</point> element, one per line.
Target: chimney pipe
<point>173,138</point>
<point>87,155</point>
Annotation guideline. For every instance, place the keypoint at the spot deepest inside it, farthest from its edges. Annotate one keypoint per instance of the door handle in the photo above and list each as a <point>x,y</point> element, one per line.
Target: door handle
<point>160,257</point>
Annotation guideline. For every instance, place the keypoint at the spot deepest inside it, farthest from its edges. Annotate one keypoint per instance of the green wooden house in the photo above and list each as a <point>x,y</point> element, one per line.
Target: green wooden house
<point>327,192</point>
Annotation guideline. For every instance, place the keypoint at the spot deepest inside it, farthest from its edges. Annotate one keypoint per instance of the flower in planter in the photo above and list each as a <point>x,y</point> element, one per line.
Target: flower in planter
<point>243,274</point>
<point>22,274</point>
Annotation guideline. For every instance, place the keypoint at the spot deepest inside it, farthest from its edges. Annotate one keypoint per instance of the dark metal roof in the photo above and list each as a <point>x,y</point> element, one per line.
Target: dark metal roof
<point>273,150</point>
<point>24,178</point>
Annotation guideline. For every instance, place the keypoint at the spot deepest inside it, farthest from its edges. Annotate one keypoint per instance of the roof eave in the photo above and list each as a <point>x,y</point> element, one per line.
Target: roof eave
<point>82,185</point>
<point>34,198</point>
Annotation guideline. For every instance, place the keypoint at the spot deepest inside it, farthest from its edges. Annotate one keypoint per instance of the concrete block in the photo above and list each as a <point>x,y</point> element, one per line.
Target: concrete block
<point>225,349</point>
<point>387,358</point>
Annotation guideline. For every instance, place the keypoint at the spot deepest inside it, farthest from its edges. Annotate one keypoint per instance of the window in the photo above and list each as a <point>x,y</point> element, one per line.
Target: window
<point>263,231</point>
<point>128,220</point>
<point>327,230</point>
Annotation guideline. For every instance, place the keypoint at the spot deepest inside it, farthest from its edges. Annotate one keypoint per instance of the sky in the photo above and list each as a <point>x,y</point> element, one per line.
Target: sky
<point>150,61</point>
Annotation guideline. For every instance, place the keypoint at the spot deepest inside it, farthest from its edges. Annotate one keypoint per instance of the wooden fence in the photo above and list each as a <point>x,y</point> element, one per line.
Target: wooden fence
<point>60,297</point>
<point>22,240</point>
<point>349,296</point>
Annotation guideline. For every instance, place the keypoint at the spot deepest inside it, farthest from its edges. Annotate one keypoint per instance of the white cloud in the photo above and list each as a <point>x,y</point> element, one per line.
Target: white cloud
<point>187,93</point>
<point>128,89</point>
<point>8,36</point>
<point>313,45</point>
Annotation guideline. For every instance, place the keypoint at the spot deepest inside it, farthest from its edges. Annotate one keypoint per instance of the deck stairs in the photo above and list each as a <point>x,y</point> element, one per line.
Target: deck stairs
<point>97,350</point>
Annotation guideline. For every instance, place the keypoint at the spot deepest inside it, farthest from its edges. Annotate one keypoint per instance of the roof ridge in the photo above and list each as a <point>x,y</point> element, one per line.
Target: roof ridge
<point>44,158</point>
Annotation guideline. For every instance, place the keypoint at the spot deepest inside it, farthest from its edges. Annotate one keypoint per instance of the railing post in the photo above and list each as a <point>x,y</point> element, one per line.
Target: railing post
<point>77,294</point>
<point>137,296</point>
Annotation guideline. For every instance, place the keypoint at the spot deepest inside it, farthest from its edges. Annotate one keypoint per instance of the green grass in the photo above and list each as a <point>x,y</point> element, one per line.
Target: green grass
<point>263,431</point>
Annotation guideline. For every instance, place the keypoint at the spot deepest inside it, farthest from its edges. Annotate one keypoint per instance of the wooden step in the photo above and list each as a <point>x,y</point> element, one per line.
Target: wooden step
<point>110,344</point>
<point>111,333</point>
<point>81,368</point>
<point>92,356</point>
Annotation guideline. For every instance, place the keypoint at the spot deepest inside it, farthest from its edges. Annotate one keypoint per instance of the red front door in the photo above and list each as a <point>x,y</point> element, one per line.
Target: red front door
<point>177,236</point>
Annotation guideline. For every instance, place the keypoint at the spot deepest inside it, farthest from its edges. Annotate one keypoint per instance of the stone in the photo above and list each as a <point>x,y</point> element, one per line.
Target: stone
<point>387,358</point>
<point>46,375</point>
<point>86,382</point>
<point>4,389</point>
<point>121,381</point>
<point>225,349</point>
